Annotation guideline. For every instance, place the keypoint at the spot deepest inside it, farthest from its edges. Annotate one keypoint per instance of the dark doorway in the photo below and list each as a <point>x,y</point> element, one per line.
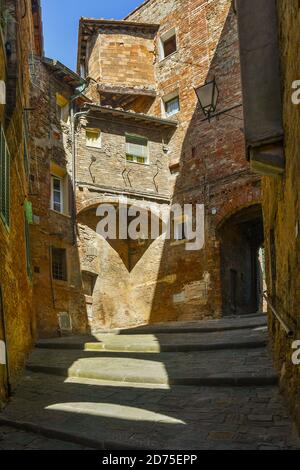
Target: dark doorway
<point>242,240</point>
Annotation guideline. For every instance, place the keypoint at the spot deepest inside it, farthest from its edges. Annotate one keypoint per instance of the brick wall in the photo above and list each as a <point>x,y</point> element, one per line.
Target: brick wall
<point>207,162</point>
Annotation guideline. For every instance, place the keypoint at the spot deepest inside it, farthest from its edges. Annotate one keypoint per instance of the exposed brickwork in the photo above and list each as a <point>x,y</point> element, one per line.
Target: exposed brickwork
<point>195,162</point>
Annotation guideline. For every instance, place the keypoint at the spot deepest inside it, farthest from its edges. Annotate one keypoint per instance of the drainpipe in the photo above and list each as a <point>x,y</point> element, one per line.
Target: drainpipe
<point>74,118</point>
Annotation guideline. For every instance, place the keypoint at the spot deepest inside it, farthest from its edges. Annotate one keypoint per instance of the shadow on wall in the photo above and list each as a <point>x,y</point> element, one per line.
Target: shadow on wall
<point>166,282</point>
<point>214,172</point>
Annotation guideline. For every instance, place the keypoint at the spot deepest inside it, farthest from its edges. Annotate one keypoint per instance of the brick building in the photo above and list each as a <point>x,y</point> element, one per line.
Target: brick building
<point>141,134</point>
<point>191,161</point>
<point>142,73</point>
<point>17,321</point>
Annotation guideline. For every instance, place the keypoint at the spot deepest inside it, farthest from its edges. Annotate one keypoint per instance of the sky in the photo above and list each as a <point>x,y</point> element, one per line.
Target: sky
<point>61,18</point>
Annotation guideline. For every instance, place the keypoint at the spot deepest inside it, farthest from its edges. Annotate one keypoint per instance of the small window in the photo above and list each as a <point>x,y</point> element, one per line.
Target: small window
<point>93,138</point>
<point>57,199</point>
<point>4,179</point>
<point>62,108</point>
<point>60,189</point>
<point>172,106</point>
<point>168,44</point>
<point>59,264</point>
<point>136,149</point>
<point>88,283</point>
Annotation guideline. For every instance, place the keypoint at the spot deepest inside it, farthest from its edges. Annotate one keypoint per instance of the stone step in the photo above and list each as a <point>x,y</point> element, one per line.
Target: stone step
<point>241,339</point>
<point>217,368</point>
<point>208,326</point>
<point>115,415</point>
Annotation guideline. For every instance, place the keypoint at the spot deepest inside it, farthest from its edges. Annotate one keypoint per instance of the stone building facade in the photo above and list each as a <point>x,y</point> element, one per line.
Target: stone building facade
<point>19,40</point>
<point>52,231</point>
<point>180,46</point>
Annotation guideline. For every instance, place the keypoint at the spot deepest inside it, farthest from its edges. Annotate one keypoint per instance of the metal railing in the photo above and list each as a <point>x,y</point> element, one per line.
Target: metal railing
<point>284,325</point>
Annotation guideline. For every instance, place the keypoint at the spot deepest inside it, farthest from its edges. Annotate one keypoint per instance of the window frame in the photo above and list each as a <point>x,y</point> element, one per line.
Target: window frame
<point>165,38</point>
<point>64,276</point>
<point>98,143</point>
<point>167,99</point>
<point>61,180</point>
<point>62,108</point>
<point>129,155</point>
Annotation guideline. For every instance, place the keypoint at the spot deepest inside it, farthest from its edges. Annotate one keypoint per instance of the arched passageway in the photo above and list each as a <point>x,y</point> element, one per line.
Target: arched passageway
<point>242,261</point>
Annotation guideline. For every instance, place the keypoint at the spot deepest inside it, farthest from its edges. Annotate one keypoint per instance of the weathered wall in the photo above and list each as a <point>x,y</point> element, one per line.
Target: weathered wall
<point>211,158</point>
<point>110,160</point>
<point>281,198</point>
<point>15,281</point>
<point>206,163</point>
<point>51,142</point>
<point>119,58</point>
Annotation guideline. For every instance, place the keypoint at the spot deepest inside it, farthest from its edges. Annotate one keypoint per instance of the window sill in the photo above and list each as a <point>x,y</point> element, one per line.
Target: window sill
<point>59,283</point>
<point>137,163</point>
<point>162,61</point>
<point>67,216</point>
<point>172,115</point>
<point>94,148</point>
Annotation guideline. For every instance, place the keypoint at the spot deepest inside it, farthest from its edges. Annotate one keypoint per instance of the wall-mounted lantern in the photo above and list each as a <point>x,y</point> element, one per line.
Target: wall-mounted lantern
<point>207,95</point>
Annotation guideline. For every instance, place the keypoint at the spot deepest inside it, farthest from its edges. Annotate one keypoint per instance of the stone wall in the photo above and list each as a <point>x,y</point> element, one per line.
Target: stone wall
<point>206,160</point>
<point>281,212</point>
<point>17,322</point>
<point>51,144</point>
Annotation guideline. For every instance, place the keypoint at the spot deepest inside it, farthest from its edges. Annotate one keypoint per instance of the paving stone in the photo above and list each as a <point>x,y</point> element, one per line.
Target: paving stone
<point>156,415</point>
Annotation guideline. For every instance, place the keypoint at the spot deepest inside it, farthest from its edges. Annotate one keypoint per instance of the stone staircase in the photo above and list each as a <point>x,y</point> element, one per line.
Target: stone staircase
<point>195,385</point>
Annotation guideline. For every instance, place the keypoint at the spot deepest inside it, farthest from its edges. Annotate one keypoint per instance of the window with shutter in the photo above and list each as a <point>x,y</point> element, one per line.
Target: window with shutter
<point>4,179</point>
<point>137,149</point>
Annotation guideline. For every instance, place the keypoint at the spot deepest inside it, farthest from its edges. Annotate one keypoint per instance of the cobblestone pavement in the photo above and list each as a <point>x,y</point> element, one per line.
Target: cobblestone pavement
<point>14,439</point>
<point>122,413</point>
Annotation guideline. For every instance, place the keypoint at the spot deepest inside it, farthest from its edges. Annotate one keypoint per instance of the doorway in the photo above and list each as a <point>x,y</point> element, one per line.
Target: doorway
<point>242,269</point>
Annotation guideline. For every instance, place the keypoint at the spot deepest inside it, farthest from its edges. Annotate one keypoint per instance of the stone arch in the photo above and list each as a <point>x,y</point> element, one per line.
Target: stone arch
<point>241,238</point>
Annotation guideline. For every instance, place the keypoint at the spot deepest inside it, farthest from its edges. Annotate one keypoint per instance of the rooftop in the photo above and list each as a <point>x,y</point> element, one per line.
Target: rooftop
<point>128,115</point>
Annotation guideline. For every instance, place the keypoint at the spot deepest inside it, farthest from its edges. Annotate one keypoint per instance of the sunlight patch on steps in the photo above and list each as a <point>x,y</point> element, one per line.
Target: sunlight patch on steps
<point>118,412</point>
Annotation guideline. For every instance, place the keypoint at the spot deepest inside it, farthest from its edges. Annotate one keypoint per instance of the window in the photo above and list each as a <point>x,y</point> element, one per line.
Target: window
<point>168,44</point>
<point>172,106</point>
<point>57,194</point>
<point>59,189</point>
<point>4,179</point>
<point>62,108</point>
<point>88,283</point>
<point>136,149</point>
<point>59,264</point>
<point>93,138</point>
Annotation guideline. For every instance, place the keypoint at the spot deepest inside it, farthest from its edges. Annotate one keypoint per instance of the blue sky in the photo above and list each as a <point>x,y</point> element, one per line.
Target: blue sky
<point>61,17</point>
